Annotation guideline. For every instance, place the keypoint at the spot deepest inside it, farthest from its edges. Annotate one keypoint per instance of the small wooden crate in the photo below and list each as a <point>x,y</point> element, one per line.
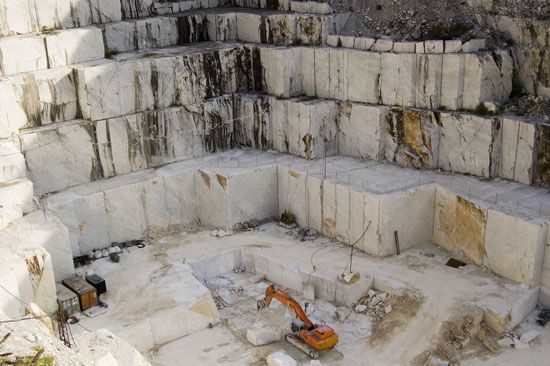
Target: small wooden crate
<point>87,294</point>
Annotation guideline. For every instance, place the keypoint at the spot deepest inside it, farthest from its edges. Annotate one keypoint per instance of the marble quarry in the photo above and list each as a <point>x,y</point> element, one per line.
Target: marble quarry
<point>126,120</point>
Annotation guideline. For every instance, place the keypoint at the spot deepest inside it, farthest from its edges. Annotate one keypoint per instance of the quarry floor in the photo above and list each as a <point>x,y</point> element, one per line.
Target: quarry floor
<point>405,334</point>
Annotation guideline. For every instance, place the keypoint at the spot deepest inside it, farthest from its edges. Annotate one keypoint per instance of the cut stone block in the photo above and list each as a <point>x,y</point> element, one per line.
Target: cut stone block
<point>229,197</point>
<point>281,69</point>
<point>433,46</point>
<point>411,138</point>
<point>253,122</point>
<point>30,263</point>
<point>15,200</point>
<point>453,46</point>
<point>360,131</point>
<point>333,40</point>
<point>252,28</point>
<point>12,162</point>
<point>364,70</point>
<point>515,246</point>
<point>452,81</point>
<point>48,163</point>
<point>517,155</point>
<point>73,46</point>
<point>478,70</point>
<point>22,54</point>
<point>410,213</point>
<point>347,41</point>
<point>280,358</point>
<point>37,98</point>
<point>363,43</point>
<point>404,47</point>
<point>460,225</point>
<point>382,45</point>
<point>308,291</point>
<point>428,80</point>
<point>390,78</point>
<point>469,144</point>
<point>222,27</point>
<point>338,73</point>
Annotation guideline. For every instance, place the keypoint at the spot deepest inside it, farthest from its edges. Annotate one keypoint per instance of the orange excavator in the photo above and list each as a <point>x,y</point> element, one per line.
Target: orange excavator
<point>308,337</point>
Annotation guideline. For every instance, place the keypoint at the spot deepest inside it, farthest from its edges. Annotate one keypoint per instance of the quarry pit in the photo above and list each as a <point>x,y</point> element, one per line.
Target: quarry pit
<point>167,166</point>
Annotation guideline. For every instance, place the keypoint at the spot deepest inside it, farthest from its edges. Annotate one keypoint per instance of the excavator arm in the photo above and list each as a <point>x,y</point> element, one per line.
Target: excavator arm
<point>283,297</point>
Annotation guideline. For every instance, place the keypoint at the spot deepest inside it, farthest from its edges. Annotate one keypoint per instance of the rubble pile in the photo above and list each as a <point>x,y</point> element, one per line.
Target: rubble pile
<point>375,304</point>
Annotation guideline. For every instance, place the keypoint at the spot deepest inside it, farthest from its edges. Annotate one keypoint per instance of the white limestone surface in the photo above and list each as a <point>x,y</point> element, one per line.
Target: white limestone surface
<point>177,304</point>
<point>518,149</point>
<point>102,343</point>
<point>515,246</point>
<point>469,144</point>
<point>12,162</point>
<point>15,200</point>
<point>22,54</point>
<point>37,98</point>
<point>360,131</point>
<point>25,255</point>
<point>61,155</point>
<point>226,197</point>
<point>73,46</point>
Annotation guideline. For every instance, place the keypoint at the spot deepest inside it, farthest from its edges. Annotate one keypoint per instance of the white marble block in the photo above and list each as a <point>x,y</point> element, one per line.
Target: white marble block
<point>517,156</point>
<point>22,54</point>
<point>469,144</point>
<point>515,246</point>
<point>73,46</point>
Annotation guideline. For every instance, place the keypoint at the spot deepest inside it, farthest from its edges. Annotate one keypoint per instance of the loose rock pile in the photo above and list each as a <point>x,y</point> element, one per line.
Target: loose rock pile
<point>375,304</point>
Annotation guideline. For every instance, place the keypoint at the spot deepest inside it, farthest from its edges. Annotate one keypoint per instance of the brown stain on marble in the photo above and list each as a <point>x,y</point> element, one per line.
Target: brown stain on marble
<point>222,181</point>
<point>308,142</point>
<point>206,178</point>
<point>463,222</point>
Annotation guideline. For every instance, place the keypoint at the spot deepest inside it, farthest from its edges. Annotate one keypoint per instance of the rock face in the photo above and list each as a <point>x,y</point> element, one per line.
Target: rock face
<point>530,52</point>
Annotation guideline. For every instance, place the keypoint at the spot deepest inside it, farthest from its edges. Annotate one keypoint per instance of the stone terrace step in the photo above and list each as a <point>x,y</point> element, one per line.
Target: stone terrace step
<point>26,53</point>
<point>388,45</point>
<point>183,75</point>
<point>31,16</point>
<point>129,206</point>
<point>454,211</point>
<point>432,81</point>
<point>71,153</point>
<point>227,24</point>
<point>487,147</point>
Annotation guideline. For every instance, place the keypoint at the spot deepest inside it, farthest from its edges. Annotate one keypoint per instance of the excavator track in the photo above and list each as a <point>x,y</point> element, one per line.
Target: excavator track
<point>302,346</point>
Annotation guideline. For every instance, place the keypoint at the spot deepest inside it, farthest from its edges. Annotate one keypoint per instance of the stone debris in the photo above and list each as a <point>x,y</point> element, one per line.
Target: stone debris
<point>280,358</point>
<point>518,344</point>
<point>529,336</point>
<point>221,233</point>
<point>258,277</point>
<point>375,304</point>
<point>360,308</point>
<point>505,342</point>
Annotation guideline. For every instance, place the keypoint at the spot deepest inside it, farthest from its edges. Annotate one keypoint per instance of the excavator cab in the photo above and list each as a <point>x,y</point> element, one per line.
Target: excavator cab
<point>309,338</point>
